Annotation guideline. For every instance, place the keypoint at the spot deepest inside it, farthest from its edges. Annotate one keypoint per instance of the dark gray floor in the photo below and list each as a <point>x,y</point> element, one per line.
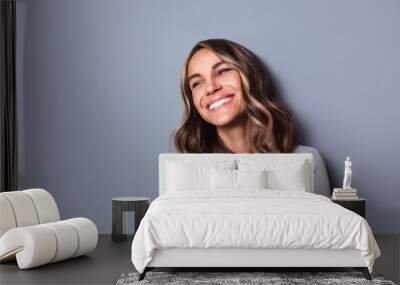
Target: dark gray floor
<point>110,260</point>
<point>389,262</point>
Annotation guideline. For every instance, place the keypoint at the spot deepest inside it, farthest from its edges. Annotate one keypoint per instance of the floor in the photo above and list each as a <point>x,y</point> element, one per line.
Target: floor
<point>111,259</point>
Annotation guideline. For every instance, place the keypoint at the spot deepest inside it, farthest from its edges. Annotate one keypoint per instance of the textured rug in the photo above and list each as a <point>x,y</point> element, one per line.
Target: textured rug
<point>273,278</point>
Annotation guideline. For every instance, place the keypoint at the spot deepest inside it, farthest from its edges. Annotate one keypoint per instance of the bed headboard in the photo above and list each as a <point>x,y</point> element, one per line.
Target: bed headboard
<point>214,157</point>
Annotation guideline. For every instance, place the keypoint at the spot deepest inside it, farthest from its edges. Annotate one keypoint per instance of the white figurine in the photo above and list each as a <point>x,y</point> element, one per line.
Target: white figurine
<point>347,174</point>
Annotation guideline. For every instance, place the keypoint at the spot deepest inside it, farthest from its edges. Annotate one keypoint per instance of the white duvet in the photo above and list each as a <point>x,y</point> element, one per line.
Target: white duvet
<point>251,218</point>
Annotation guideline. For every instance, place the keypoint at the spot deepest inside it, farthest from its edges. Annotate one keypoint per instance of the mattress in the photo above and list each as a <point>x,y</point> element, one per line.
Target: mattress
<point>250,219</point>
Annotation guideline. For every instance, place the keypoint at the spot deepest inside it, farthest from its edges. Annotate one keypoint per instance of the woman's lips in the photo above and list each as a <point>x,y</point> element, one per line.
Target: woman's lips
<point>220,104</point>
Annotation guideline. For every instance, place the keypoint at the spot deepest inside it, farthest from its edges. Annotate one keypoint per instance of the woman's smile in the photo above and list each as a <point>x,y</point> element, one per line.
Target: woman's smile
<point>220,103</point>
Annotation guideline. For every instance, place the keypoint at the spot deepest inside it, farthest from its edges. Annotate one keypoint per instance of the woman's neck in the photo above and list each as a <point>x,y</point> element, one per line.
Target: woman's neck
<point>234,137</point>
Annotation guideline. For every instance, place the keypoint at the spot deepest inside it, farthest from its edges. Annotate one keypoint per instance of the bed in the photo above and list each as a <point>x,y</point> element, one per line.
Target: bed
<point>245,211</point>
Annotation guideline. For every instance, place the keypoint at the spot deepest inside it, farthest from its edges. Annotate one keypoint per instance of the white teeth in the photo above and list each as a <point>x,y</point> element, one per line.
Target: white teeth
<point>219,103</point>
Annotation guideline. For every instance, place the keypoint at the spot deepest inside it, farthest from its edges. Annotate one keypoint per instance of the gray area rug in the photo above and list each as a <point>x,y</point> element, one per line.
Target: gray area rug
<point>274,278</point>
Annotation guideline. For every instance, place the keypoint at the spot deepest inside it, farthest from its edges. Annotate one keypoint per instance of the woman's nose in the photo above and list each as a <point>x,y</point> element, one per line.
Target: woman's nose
<point>212,87</point>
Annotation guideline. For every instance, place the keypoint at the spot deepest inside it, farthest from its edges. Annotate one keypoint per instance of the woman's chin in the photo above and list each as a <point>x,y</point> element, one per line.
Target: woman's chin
<point>223,121</point>
<point>228,119</point>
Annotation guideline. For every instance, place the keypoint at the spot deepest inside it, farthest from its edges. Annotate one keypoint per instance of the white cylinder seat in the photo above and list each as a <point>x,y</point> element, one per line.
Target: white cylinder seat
<point>31,232</point>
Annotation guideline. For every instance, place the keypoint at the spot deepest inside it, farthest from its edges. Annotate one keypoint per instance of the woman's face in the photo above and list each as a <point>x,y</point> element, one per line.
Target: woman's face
<point>216,88</point>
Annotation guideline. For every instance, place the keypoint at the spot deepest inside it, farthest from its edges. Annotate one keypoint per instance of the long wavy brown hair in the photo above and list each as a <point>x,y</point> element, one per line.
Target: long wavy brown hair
<point>270,126</point>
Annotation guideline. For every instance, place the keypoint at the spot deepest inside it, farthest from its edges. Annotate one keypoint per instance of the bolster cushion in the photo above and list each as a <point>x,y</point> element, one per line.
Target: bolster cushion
<point>40,244</point>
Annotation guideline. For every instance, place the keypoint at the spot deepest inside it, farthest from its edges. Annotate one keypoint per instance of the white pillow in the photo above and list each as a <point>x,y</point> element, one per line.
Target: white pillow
<point>251,178</point>
<point>237,179</point>
<point>182,177</point>
<point>281,174</point>
<point>292,178</point>
<point>223,179</point>
<point>189,175</point>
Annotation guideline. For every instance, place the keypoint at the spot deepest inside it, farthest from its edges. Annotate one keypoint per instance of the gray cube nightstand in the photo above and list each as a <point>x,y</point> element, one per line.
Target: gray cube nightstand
<point>139,205</point>
<point>357,206</point>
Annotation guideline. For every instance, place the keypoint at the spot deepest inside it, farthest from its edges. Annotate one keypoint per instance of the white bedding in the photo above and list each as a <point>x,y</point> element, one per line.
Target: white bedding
<point>250,218</point>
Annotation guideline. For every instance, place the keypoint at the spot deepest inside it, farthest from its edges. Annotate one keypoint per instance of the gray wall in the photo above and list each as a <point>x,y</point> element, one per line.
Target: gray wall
<point>99,97</point>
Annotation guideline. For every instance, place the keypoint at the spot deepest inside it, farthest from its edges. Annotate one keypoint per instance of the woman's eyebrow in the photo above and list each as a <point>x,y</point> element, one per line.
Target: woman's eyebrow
<point>213,67</point>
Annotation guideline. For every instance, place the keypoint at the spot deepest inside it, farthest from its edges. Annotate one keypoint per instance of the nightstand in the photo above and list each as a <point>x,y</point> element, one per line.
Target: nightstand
<point>138,205</point>
<point>358,206</point>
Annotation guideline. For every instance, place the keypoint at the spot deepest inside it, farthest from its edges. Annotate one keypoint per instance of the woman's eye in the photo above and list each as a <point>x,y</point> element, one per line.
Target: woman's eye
<point>224,70</point>
<point>195,84</point>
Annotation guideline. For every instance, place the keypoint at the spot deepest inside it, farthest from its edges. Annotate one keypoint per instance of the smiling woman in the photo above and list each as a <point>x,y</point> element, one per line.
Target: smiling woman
<point>231,104</point>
